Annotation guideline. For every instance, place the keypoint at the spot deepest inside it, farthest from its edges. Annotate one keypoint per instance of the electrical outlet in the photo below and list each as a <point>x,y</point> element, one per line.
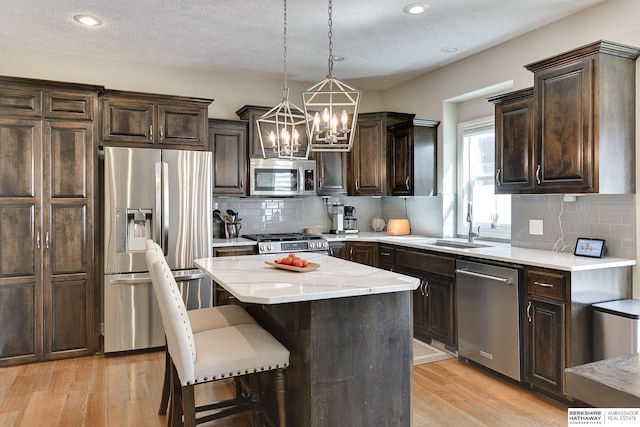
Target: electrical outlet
<point>535,227</point>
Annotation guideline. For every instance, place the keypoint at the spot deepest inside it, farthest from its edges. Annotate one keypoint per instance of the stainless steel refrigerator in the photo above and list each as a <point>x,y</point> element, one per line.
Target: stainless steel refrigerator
<point>164,195</point>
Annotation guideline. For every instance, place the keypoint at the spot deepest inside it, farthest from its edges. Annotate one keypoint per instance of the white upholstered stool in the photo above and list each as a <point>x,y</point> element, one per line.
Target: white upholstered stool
<point>211,355</point>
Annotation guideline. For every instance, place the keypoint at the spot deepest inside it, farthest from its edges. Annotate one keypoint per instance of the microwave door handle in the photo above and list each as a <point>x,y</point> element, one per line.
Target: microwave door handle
<point>165,207</point>
<point>157,214</point>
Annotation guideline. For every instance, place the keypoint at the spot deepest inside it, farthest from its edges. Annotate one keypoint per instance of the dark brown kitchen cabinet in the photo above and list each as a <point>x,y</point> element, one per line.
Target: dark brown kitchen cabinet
<point>220,295</point>
<point>362,253</point>
<point>368,160</point>
<point>338,249</point>
<point>332,173</point>
<point>584,128</point>
<point>514,152</point>
<point>228,143</point>
<point>386,257</point>
<point>434,299</point>
<point>143,119</point>
<point>546,308</point>
<point>47,222</point>
<point>412,167</point>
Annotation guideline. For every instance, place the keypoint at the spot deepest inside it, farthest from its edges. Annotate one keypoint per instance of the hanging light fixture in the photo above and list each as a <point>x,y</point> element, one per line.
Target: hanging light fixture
<point>334,108</point>
<point>284,125</point>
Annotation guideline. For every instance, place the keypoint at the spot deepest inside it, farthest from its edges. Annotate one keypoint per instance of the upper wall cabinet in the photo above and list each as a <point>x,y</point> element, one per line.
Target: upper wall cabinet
<point>584,125</point>
<point>228,143</point>
<point>514,154</point>
<point>133,118</point>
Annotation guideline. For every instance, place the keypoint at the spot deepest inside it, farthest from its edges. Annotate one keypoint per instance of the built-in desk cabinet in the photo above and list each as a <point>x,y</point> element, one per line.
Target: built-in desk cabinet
<point>152,120</point>
<point>47,220</point>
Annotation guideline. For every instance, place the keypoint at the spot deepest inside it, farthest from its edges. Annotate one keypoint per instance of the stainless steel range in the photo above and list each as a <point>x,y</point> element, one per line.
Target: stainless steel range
<point>289,242</point>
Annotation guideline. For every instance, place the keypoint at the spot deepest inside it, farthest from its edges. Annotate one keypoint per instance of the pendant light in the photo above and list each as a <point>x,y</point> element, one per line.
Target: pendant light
<point>334,107</point>
<point>282,129</point>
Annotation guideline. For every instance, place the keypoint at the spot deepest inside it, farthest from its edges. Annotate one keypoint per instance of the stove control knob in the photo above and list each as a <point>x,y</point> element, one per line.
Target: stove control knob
<point>325,244</point>
<point>262,248</point>
<point>269,248</point>
<point>312,245</point>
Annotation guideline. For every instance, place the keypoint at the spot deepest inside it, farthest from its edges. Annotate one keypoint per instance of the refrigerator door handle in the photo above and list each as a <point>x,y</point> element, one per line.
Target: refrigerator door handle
<point>157,220</point>
<point>165,207</point>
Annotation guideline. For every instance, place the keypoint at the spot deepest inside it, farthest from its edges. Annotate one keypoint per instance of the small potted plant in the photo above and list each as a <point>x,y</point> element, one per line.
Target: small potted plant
<point>494,220</point>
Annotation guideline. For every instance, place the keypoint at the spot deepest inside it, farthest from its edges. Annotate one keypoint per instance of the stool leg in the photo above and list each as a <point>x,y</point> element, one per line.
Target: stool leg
<point>280,396</point>
<point>189,405</point>
<point>256,414</point>
<point>166,385</point>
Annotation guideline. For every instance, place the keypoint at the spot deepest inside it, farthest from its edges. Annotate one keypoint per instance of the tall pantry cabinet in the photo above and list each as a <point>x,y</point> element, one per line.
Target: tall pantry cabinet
<point>47,159</point>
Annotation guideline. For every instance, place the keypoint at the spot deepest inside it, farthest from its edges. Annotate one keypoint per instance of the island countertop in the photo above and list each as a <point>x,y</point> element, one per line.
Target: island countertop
<point>250,280</point>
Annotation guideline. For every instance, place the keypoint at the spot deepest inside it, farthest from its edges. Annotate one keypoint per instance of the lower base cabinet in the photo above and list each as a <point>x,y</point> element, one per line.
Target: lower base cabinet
<point>220,295</point>
<point>362,252</point>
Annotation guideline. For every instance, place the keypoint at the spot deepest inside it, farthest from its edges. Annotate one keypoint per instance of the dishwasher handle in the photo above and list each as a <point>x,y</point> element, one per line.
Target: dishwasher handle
<point>485,276</point>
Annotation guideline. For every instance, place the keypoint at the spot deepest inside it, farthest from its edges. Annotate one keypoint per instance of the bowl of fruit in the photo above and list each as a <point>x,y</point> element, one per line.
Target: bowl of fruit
<point>293,262</point>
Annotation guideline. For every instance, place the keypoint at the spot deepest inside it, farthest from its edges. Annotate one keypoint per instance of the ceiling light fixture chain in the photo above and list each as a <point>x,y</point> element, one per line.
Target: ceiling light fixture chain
<point>279,125</point>
<point>325,101</point>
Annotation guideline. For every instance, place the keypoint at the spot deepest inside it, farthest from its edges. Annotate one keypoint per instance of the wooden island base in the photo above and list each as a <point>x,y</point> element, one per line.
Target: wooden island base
<point>351,359</point>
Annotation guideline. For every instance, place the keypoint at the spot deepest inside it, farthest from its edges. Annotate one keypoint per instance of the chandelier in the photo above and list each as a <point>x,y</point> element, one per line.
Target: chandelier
<point>279,126</point>
<point>334,107</point>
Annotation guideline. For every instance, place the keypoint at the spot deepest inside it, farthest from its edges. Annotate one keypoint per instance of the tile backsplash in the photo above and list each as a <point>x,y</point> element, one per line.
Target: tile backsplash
<point>609,217</point>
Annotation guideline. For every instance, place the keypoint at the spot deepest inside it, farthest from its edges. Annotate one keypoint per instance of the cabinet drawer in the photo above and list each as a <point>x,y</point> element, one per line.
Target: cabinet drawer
<point>426,262</point>
<point>234,250</point>
<point>547,283</point>
<point>386,256</point>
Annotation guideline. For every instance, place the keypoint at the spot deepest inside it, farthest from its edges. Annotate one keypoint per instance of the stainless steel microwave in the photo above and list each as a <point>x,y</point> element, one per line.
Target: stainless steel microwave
<point>282,177</point>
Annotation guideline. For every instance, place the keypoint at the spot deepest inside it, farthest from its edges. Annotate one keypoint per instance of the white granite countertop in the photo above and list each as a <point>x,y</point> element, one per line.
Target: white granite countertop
<point>495,251</point>
<point>250,280</point>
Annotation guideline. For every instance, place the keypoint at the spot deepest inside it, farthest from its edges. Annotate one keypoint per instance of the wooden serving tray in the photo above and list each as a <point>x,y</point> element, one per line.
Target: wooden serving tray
<point>310,266</point>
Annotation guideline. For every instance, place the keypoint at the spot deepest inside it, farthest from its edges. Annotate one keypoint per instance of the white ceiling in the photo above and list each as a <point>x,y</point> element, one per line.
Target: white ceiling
<point>382,45</point>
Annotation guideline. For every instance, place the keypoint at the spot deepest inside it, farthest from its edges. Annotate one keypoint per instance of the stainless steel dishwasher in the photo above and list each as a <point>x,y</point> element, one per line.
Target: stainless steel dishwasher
<point>488,316</point>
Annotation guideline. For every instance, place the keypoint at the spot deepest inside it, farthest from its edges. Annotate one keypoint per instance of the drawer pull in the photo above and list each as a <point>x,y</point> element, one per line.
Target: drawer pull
<point>385,253</point>
<point>544,285</point>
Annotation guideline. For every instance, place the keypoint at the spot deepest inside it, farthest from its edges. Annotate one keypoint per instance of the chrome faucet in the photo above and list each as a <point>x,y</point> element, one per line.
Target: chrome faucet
<point>472,234</point>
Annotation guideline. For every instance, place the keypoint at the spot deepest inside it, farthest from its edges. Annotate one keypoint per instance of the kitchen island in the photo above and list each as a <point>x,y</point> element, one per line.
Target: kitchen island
<point>348,328</point>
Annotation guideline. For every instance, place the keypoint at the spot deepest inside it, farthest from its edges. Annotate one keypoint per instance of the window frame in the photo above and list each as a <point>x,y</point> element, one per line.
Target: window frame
<point>503,231</point>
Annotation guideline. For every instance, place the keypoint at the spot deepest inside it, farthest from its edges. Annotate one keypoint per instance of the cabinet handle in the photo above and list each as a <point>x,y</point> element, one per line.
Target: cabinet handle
<point>538,174</point>
<point>544,285</point>
<point>330,251</point>
<point>426,288</point>
<point>385,253</point>
<point>161,133</point>
<point>406,183</point>
<point>351,254</point>
<point>150,132</point>
<point>38,240</point>
<point>46,240</point>
<point>498,177</point>
<point>241,183</point>
<point>529,311</point>
<point>357,186</point>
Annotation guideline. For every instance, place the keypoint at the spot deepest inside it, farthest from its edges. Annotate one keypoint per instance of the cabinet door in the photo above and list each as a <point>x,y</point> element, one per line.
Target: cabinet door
<point>565,139</point>
<point>401,164</point>
<point>332,173</point>
<point>368,159</point>
<point>228,143</point>
<point>338,250</point>
<point>20,243</point>
<point>68,238</point>
<point>182,125</point>
<point>363,253</point>
<point>440,309</point>
<point>420,308</point>
<point>128,120</point>
<point>69,105</point>
<point>545,344</point>
<point>514,146</point>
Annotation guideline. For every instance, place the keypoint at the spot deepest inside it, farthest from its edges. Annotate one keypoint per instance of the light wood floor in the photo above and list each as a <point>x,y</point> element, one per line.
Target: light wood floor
<point>125,391</point>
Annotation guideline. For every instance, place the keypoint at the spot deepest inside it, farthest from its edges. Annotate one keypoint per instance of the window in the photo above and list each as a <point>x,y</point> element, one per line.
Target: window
<point>476,166</point>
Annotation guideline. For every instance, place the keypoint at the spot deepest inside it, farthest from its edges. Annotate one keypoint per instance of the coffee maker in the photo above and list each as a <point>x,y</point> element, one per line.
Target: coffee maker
<point>337,218</point>
<point>350,221</point>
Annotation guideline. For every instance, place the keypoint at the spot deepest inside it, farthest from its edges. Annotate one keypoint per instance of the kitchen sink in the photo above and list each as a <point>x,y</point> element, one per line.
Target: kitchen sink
<point>459,245</point>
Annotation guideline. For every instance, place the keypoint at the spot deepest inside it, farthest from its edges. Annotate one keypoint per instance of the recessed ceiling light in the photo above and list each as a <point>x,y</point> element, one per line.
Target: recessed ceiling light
<point>89,20</point>
<point>416,8</point>
<point>449,49</point>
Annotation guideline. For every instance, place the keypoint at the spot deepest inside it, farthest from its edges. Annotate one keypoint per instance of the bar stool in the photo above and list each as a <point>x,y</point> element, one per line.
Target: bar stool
<point>201,319</point>
<point>211,355</point>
